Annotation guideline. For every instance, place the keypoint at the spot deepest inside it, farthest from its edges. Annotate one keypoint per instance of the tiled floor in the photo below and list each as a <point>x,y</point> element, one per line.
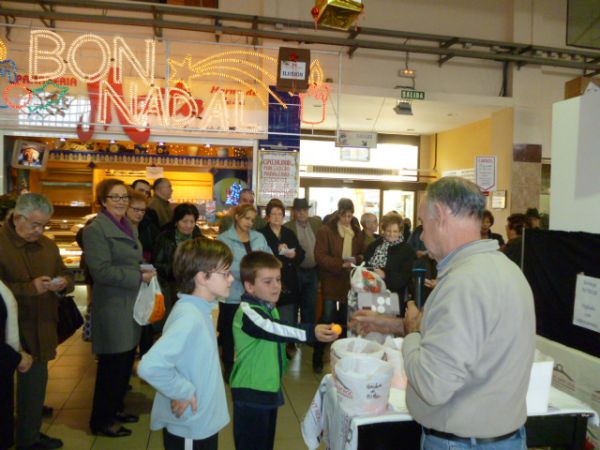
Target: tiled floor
<point>70,391</point>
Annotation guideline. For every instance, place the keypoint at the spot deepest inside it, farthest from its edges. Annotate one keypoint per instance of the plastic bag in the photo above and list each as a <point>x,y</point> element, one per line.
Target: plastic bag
<point>354,347</point>
<point>150,303</point>
<point>363,384</point>
<point>393,355</point>
<point>364,280</point>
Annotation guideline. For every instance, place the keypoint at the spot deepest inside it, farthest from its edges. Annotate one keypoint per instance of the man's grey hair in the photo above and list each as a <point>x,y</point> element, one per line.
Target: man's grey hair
<point>28,203</point>
<point>463,197</point>
<point>366,217</point>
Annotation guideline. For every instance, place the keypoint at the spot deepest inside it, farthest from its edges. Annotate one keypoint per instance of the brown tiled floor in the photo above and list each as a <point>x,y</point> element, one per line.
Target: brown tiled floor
<point>70,391</point>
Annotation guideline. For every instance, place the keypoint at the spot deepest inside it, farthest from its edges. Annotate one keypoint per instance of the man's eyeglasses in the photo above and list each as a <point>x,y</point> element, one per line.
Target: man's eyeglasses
<point>118,198</point>
<point>35,225</point>
<point>139,210</point>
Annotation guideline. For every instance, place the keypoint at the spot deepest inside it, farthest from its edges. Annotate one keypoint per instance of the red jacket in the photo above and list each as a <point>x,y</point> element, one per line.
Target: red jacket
<point>335,280</point>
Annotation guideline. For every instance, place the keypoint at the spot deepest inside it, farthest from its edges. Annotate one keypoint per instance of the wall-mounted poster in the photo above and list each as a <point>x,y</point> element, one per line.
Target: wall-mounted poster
<point>29,155</point>
<point>278,176</point>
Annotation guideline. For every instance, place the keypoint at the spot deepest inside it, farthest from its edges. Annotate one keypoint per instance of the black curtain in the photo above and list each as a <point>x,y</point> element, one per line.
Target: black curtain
<point>552,260</point>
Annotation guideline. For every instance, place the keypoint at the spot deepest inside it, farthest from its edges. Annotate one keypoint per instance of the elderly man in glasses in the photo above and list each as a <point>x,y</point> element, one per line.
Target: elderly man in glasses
<point>32,268</point>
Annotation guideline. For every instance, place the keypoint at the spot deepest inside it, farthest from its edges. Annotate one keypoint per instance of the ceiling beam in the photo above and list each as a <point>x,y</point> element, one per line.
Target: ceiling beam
<point>218,22</point>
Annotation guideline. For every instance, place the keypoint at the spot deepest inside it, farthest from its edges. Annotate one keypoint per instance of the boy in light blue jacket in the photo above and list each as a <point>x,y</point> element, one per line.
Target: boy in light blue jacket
<point>183,365</point>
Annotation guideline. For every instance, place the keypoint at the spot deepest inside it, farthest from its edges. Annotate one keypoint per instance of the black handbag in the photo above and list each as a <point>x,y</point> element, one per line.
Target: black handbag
<point>69,318</point>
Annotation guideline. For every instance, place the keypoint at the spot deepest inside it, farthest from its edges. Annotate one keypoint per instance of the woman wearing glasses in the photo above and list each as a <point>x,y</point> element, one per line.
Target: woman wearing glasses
<point>113,255</point>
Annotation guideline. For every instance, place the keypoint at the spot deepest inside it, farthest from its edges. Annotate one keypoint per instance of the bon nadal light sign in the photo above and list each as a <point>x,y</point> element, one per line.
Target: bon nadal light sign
<point>192,99</point>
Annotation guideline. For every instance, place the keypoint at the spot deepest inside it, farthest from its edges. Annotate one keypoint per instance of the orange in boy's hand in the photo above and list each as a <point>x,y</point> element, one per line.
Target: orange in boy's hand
<point>336,328</point>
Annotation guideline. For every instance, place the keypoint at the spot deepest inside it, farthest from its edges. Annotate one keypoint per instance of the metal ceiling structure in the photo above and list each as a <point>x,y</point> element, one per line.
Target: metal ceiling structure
<point>206,20</point>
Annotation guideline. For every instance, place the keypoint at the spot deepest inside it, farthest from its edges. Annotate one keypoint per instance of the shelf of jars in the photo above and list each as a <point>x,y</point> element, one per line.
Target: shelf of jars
<point>242,163</point>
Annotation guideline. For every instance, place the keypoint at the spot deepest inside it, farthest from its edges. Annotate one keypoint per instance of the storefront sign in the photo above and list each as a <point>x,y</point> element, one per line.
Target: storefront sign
<point>278,176</point>
<point>586,313</point>
<point>223,92</point>
<point>356,139</point>
<point>486,173</point>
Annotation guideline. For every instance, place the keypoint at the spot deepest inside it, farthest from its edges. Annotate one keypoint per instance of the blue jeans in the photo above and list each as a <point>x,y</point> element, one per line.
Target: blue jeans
<point>517,442</point>
<point>308,281</point>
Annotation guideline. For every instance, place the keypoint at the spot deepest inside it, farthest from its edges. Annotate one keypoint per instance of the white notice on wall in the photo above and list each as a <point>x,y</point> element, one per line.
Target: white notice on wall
<point>486,173</point>
<point>278,176</point>
<point>586,313</point>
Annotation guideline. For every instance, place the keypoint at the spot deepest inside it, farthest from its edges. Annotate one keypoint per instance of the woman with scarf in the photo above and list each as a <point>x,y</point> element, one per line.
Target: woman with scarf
<point>11,358</point>
<point>390,257</point>
<point>113,256</point>
<point>339,245</point>
<point>182,228</point>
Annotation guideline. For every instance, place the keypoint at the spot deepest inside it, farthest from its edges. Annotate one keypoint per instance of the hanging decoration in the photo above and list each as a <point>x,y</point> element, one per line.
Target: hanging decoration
<point>233,194</point>
<point>3,50</point>
<point>317,89</point>
<point>8,70</point>
<point>232,65</point>
<point>293,69</point>
<point>338,14</point>
<point>48,100</point>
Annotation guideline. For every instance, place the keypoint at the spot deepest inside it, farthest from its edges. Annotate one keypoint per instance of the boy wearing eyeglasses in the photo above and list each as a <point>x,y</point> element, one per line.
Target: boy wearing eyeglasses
<point>260,341</point>
<point>183,365</point>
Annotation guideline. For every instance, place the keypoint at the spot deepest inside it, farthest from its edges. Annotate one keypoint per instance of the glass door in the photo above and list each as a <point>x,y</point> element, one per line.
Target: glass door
<point>403,202</point>
<point>324,200</point>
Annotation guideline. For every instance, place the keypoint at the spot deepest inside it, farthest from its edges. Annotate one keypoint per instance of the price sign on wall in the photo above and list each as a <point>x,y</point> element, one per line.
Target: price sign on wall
<point>278,176</point>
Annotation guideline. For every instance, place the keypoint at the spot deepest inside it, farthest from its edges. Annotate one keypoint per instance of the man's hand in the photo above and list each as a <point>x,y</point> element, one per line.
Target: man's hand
<point>366,321</point>
<point>26,361</point>
<point>147,275</point>
<point>57,284</point>
<point>179,406</point>
<point>430,283</point>
<point>42,284</point>
<point>412,318</point>
<point>324,333</point>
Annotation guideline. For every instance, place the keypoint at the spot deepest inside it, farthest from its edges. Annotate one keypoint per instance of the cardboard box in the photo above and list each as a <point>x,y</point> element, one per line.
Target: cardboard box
<point>577,86</point>
<point>538,392</point>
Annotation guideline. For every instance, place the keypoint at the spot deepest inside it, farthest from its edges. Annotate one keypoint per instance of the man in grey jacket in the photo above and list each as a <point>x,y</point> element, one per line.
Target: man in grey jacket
<point>468,354</point>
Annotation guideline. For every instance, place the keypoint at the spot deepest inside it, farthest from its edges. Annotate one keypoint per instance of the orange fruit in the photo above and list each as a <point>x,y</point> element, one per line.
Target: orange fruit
<point>337,328</point>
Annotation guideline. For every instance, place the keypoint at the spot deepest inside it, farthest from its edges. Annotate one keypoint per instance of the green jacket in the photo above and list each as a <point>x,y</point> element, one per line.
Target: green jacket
<point>315,223</point>
<point>260,339</point>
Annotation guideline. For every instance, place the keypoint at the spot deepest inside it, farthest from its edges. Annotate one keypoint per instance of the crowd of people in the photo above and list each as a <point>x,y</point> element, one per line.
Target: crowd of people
<point>253,265</point>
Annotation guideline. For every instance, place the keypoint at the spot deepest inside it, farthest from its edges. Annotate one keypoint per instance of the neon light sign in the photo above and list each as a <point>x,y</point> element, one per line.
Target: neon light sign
<point>146,100</point>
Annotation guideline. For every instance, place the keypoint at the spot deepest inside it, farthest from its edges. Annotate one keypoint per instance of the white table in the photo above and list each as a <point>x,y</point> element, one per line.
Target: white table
<point>327,421</point>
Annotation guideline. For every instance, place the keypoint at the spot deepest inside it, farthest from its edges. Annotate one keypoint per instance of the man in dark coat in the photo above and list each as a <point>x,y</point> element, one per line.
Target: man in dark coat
<point>32,268</point>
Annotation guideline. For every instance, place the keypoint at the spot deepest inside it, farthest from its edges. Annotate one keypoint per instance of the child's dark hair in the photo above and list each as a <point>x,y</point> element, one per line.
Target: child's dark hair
<point>199,255</point>
<point>253,262</point>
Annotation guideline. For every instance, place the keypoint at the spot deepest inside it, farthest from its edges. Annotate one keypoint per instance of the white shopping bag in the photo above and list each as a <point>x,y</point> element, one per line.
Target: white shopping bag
<point>364,280</point>
<point>393,355</point>
<point>150,303</point>
<point>353,347</point>
<point>363,384</point>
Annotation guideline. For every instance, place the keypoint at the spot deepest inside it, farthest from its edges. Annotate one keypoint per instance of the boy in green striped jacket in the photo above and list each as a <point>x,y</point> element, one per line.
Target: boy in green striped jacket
<point>260,339</point>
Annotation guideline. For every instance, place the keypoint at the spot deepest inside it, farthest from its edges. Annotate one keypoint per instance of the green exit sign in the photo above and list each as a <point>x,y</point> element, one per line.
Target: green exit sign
<point>407,94</point>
